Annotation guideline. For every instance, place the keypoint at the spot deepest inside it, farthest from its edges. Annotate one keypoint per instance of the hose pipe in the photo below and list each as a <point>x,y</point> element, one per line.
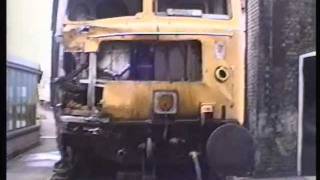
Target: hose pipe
<point>194,155</point>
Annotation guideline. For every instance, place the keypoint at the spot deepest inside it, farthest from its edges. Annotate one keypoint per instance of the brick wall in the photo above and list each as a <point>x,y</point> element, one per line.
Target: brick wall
<point>278,32</point>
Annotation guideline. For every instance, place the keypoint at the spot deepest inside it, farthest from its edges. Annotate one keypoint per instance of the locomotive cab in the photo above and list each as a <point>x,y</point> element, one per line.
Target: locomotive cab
<point>153,83</point>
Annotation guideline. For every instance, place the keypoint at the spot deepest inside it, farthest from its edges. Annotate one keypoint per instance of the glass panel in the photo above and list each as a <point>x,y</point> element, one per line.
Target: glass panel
<point>17,123</point>
<point>79,10</point>
<point>150,61</point>
<point>10,126</point>
<point>193,7</point>
<point>24,88</point>
<point>29,92</point>
<point>35,90</point>
<point>18,98</point>
<point>23,123</point>
<point>34,99</point>
<point>23,109</point>
<point>15,100</point>
<point>29,99</point>
<point>23,98</point>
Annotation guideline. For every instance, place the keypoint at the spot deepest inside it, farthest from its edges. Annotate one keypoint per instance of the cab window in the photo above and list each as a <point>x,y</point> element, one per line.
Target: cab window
<point>217,9</point>
<point>82,10</point>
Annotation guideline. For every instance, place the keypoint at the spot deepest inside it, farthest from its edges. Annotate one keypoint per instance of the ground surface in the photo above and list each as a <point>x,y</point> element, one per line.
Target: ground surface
<point>37,163</point>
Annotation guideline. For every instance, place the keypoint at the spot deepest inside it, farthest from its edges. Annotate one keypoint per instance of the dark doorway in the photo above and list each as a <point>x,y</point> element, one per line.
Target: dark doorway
<point>308,158</point>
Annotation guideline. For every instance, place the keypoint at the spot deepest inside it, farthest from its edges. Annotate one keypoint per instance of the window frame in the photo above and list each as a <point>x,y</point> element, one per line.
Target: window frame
<point>228,16</point>
<point>201,56</point>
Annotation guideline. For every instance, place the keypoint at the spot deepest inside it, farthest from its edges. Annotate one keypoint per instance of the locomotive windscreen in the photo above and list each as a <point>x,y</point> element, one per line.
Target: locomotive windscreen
<point>150,61</point>
<point>79,10</point>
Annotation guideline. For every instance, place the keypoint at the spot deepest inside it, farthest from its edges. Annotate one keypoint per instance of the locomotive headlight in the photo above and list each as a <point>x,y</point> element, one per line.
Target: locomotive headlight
<point>222,74</point>
<point>165,102</point>
<point>220,50</point>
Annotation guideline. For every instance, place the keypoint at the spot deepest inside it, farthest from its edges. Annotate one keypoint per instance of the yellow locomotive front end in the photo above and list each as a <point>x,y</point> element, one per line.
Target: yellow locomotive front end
<point>158,80</point>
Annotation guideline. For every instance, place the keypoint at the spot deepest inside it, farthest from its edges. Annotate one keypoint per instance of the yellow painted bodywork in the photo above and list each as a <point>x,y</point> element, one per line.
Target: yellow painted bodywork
<point>132,100</point>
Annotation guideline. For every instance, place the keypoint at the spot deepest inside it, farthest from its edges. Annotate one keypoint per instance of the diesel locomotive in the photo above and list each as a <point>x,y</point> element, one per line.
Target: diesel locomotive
<point>145,84</point>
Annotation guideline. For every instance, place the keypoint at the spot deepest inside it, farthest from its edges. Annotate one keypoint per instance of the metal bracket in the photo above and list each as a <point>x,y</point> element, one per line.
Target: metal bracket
<point>92,81</point>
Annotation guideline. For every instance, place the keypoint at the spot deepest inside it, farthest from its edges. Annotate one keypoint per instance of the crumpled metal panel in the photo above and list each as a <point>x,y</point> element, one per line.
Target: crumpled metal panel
<point>132,100</point>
